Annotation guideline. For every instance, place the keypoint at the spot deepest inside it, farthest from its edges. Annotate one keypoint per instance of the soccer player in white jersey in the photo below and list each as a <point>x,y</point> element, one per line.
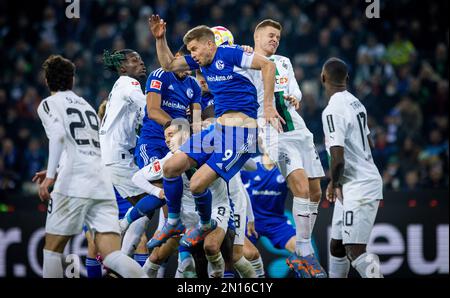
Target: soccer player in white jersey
<point>293,149</point>
<point>118,132</point>
<point>356,186</point>
<point>82,193</point>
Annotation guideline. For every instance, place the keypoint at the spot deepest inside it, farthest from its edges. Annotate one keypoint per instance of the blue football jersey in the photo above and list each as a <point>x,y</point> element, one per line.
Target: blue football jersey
<point>176,97</point>
<point>267,190</point>
<point>228,81</point>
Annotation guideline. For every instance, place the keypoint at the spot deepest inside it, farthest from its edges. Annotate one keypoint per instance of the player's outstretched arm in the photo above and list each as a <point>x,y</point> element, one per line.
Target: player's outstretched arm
<point>166,58</point>
<point>267,68</point>
<point>337,166</point>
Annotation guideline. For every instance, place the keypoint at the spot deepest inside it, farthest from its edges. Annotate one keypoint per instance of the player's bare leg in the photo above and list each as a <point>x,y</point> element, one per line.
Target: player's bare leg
<point>53,250</point>
<point>251,253</point>
<point>159,255</point>
<point>93,266</point>
<point>290,245</point>
<point>108,245</point>
<point>241,264</point>
<point>212,244</point>
<point>303,262</point>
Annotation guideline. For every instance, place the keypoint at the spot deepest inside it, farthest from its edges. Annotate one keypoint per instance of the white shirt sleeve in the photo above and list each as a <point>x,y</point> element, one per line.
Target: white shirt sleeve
<point>151,172</point>
<point>55,131</point>
<point>250,215</point>
<point>334,127</point>
<point>293,88</point>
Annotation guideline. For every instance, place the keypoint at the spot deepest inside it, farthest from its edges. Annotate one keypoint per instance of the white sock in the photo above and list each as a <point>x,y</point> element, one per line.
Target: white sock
<point>123,265</point>
<point>133,235</point>
<point>151,269</point>
<point>258,266</point>
<point>216,265</point>
<point>245,268</point>
<point>339,267</point>
<point>186,269</point>
<point>368,266</point>
<point>301,213</point>
<point>53,267</point>
<point>313,210</point>
<point>161,271</point>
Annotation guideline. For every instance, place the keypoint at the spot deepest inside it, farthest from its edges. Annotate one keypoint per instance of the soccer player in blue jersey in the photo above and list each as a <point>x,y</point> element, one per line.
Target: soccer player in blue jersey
<point>267,189</point>
<point>169,96</point>
<point>236,110</point>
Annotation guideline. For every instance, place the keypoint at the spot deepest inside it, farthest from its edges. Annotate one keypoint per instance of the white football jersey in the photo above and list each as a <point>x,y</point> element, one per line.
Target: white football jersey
<point>81,172</point>
<point>153,172</point>
<point>345,124</point>
<point>285,84</point>
<point>123,118</point>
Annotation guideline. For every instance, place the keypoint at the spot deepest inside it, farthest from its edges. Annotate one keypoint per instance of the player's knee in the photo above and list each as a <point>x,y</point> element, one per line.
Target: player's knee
<point>251,254</point>
<point>172,169</point>
<point>354,251</point>
<point>211,247</point>
<point>337,249</point>
<point>154,258</point>
<point>197,186</point>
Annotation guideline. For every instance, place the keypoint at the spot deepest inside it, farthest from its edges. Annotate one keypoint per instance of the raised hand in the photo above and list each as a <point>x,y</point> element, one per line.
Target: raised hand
<point>157,26</point>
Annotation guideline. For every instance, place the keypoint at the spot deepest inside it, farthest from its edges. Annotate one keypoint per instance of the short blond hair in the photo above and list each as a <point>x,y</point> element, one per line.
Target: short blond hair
<point>198,33</point>
<point>269,23</point>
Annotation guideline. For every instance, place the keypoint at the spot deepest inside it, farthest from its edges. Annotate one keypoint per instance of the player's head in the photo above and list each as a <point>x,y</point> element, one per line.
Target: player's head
<point>176,133</point>
<point>200,42</point>
<point>125,62</point>
<point>202,81</point>
<point>181,52</point>
<point>334,73</point>
<point>267,36</point>
<point>59,73</point>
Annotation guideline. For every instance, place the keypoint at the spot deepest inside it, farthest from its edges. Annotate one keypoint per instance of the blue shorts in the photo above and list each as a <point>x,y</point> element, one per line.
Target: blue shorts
<point>146,153</point>
<point>224,148</point>
<point>279,233</point>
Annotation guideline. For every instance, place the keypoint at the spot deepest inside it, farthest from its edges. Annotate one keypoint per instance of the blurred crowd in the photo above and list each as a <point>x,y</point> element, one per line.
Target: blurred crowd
<point>399,69</point>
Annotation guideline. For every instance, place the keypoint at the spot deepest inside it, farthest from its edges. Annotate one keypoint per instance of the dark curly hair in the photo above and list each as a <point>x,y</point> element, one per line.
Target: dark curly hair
<point>59,73</point>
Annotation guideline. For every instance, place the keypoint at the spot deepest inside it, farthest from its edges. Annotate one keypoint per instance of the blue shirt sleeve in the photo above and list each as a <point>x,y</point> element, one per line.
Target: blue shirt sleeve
<point>156,81</point>
<point>191,62</point>
<point>237,56</point>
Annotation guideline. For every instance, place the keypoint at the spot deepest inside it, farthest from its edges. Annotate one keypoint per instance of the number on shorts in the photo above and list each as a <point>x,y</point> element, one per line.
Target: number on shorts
<point>221,211</point>
<point>348,220</point>
<point>237,221</point>
<point>50,206</point>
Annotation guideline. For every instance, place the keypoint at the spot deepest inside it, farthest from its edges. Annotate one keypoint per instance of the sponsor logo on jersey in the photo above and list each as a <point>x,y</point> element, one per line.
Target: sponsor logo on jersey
<point>219,64</point>
<point>265,192</point>
<point>219,78</point>
<point>189,92</point>
<point>173,105</point>
<point>135,83</point>
<point>155,84</point>
<point>281,80</point>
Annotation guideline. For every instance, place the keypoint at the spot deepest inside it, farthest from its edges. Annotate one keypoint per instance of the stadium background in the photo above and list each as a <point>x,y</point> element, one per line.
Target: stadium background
<point>398,68</point>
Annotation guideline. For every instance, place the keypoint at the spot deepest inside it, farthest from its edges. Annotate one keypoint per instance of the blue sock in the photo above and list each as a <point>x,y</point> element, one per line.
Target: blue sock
<point>173,190</point>
<point>141,258</point>
<point>203,206</point>
<point>94,268</point>
<point>145,207</point>
<point>183,253</point>
<point>228,274</point>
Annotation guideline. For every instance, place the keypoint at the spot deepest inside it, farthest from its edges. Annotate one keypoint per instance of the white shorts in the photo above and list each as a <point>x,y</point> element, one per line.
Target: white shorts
<point>238,195</point>
<point>220,213</point>
<point>121,174</point>
<point>353,221</point>
<point>292,151</point>
<point>67,215</point>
